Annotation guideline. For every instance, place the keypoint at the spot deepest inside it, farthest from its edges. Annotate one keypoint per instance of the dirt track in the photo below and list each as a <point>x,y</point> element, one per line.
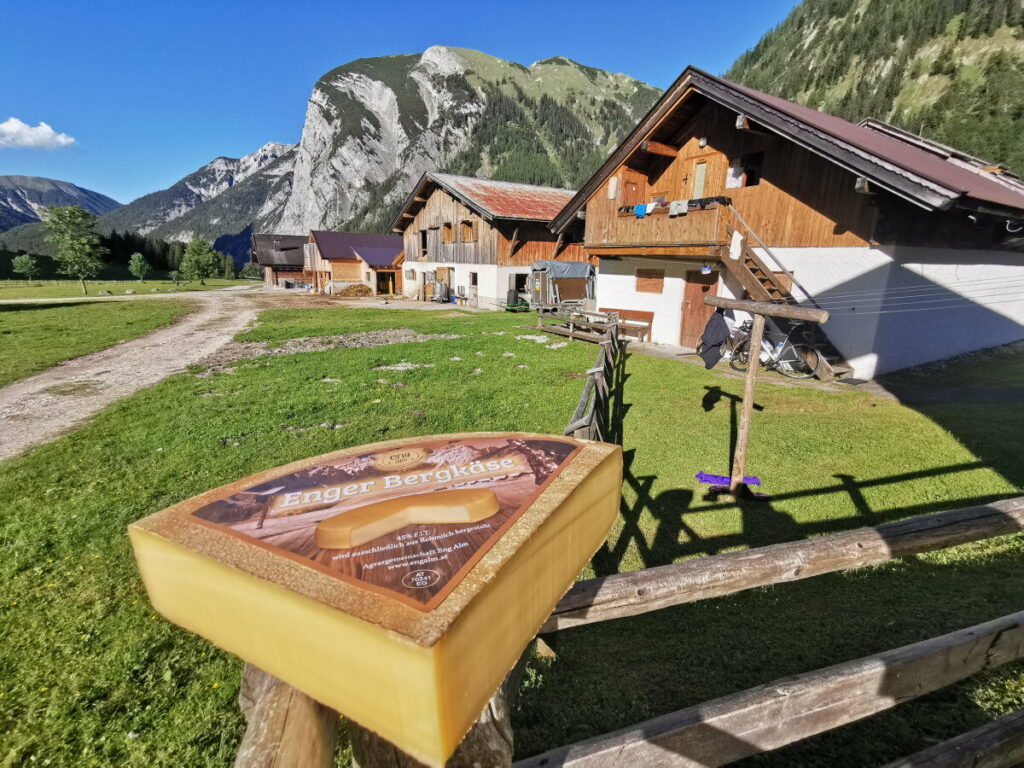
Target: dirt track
<point>38,409</point>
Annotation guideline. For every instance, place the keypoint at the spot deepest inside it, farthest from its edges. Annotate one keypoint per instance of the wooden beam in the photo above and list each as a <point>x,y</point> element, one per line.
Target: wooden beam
<point>407,215</point>
<point>999,744</point>
<point>651,589</point>
<point>283,726</point>
<point>743,123</point>
<point>771,310</point>
<point>739,461</point>
<point>862,186</point>
<point>785,711</point>
<point>658,148</point>
<point>419,199</point>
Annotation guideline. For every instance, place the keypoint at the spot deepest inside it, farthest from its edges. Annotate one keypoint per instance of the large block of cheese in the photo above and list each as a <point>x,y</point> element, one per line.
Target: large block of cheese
<point>397,583</point>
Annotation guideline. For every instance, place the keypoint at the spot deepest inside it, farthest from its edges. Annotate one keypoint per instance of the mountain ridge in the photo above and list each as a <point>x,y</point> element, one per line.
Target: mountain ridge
<point>374,125</point>
<point>23,198</point>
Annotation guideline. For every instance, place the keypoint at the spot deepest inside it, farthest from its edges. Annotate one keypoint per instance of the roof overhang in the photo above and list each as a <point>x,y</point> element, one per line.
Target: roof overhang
<point>899,181</point>
<point>427,185</point>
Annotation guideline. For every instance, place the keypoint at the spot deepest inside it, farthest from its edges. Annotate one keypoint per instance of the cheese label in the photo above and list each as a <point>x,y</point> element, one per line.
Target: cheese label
<point>408,522</point>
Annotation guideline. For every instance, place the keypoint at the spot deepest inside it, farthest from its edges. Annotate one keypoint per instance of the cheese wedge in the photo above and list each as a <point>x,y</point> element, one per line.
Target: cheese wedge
<point>409,633</point>
<point>363,524</point>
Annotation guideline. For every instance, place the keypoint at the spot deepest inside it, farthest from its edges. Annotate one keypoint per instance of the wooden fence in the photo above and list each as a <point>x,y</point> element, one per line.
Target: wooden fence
<point>765,717</point>
<point>730,728</point>
<point>594,412</point>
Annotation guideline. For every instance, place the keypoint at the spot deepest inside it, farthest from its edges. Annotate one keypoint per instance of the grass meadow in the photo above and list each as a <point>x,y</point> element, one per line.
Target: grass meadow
<point>34,337</point>
<point>91,676</point>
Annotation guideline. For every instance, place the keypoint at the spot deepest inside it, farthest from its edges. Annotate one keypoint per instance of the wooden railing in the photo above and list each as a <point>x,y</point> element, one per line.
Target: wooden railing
<point>594,411</point>
<point>756,720</point>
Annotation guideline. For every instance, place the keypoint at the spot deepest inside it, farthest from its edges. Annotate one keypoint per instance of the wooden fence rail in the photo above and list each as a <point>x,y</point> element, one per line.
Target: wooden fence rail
<point>999,744</point>
<point>590,419</point>
<point>650,589</point>
<point>785,711</point>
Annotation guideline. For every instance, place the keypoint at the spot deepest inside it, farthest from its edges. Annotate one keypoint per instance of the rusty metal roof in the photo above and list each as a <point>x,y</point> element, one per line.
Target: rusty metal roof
<point>506,199</point>
<point>491,199</point>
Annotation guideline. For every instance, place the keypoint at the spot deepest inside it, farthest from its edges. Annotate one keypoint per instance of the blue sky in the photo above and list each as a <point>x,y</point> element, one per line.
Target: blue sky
<point>150,91</point>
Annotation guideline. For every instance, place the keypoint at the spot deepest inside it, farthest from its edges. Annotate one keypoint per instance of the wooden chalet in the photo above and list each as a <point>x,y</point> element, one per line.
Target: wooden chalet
<point>340,259</point>
<point>281,257</point>
<point>479,238</point>
<point>726,190</point>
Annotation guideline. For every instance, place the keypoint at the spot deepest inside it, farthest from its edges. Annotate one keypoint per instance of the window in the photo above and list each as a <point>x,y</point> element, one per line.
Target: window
<point>410,274</point>
<point>467,231</point>
<point>472,279</point>
<point>700,172</point>
<point>520,282</point>
<point>423,244</point>
<point>650,280</point>
<point>369,277</point>
<point>744,171</point>
<point>447,234</point>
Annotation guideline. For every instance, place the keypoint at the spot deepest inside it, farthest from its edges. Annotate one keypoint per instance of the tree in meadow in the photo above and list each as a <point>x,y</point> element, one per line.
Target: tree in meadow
<point>72,231</point>
<point>199,261</point>
<point>138,266</point>
<point>25,265</point>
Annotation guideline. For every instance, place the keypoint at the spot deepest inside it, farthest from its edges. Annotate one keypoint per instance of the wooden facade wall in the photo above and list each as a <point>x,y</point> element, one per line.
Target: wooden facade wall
<point>802,200</point>
<point>533,241</point>
<point>493,244</point>
<point>440,209</point>
<point>348,270</point>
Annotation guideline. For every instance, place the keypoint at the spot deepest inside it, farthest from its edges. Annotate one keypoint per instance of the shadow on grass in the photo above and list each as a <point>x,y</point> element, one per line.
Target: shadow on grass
<point>46,304</point>
<point>621,673</point>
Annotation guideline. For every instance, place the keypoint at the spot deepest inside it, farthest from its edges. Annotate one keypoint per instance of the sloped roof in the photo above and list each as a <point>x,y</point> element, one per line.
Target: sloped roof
<point>384,249</point>
<point>900,163</point>
<point>492,199</point>
<point>271,250</point>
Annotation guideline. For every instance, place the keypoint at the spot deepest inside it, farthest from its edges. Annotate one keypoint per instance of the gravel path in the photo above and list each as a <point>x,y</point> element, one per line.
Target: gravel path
<point>56,401</point>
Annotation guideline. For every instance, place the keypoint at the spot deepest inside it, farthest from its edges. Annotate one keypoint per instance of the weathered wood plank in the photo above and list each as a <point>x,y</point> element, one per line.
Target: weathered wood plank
<point>999,744</point>
<point>739,462</point>
<point>772,310</point>
<point>284,728</point>
<point>785,711</point>
<point>631,594</point>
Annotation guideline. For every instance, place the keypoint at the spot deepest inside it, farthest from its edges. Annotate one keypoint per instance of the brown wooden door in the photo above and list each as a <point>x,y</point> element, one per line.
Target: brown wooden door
<point>695,311</point>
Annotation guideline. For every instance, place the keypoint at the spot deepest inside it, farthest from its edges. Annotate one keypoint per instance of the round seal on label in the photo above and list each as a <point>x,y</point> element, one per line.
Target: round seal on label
<point>421,579</point>
<point>400,458</point>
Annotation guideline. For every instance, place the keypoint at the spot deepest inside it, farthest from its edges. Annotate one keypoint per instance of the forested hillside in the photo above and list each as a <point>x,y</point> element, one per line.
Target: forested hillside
<point>952,70</point>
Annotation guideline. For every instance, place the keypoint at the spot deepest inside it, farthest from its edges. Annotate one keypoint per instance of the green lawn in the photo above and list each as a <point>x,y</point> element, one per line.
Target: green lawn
<point>34,337</point>
<point>65,289</point>
<point>92,677</point>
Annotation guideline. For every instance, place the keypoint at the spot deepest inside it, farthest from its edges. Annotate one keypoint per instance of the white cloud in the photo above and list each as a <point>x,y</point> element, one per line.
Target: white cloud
<point>15,133</point>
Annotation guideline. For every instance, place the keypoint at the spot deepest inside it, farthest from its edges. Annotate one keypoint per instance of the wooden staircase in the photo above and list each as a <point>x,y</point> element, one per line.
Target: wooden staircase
<point>763,284</point>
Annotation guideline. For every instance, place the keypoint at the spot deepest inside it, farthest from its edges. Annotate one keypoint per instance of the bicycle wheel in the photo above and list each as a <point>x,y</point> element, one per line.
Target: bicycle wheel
<point>799,361</point>
<point>740,356</point>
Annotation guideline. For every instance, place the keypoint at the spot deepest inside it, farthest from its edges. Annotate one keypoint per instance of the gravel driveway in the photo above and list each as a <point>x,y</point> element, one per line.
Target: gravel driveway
<point>38,409</point>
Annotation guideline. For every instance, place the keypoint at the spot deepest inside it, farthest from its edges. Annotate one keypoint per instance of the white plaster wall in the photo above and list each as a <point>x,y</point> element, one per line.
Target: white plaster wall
<point>490,283</point>
<point>616,288</point>
<point>896,307</point>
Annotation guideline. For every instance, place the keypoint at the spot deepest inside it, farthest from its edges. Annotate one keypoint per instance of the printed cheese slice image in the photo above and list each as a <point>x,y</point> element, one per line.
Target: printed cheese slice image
<point>363,524</point>
<point>407,635</point>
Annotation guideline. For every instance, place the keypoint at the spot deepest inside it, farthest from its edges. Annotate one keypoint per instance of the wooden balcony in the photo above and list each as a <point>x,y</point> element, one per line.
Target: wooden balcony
<point>699,233</point>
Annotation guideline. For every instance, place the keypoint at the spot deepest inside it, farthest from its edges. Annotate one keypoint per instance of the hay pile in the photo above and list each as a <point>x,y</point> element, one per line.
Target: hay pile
<point>354,290</point>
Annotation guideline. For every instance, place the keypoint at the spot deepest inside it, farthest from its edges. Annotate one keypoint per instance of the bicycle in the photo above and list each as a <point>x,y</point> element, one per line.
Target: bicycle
<point>797,361</point>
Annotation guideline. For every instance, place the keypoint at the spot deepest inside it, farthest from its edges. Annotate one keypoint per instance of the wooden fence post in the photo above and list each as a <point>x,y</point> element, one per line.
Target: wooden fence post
<point>739,461</point>
<point>759,310</point>
<point>284,728</point>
